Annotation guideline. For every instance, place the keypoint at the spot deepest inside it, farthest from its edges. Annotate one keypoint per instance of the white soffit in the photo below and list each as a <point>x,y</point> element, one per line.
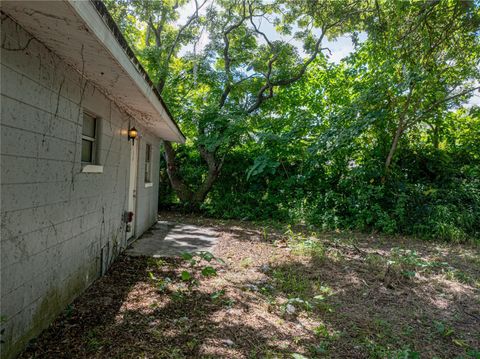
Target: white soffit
<point>76,32</point>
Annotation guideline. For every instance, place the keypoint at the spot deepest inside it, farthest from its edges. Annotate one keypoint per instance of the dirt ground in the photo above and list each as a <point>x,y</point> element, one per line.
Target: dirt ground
<point>271,294</point>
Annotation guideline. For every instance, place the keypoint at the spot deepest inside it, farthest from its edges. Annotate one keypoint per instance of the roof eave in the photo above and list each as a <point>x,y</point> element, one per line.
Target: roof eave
<point>128,52</point>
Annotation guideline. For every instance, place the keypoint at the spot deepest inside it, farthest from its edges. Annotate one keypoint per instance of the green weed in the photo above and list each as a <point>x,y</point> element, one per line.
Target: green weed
<point>93,341</point>
<point>292,283</point>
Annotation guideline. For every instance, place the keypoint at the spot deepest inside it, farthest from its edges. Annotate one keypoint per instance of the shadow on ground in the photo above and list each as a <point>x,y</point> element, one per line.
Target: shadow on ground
<point>123,315</point>
<point>166,239</point>
<point>269,301</point>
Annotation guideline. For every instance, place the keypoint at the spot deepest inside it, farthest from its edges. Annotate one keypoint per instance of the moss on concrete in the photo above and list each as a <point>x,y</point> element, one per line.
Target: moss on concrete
<point>54,302</point>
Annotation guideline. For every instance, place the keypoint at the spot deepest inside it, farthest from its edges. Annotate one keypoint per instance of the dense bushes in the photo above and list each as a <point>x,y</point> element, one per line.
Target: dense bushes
<point>422,196</point>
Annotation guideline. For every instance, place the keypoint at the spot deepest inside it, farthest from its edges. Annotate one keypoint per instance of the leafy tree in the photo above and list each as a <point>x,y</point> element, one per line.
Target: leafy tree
<point>380,140</point>
<point>236,73</point>
<point>429,53</point>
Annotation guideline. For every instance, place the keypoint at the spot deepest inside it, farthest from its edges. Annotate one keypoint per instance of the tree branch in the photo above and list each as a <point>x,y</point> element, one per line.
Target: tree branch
<point>176,41</point>
<point>226,57</point>
<point>184,27</point>
<point>446,99</point>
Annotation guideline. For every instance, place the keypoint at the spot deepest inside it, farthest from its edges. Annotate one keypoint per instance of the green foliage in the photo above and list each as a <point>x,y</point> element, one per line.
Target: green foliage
<point>209,271</point>
<point>217,294</point>
<point>442,329</point>
<point>196,262</point>
<point>94,341</point>
<point>161,283</point>
<point>298,356</point>
<point>423,197</point>
<point>301,291</point>
<point>310,246</point>
<point>186,276</point>
<point>381,141</point>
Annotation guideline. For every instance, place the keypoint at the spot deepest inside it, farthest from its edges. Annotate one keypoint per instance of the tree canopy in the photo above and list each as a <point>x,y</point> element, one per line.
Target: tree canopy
<point>382,139</point>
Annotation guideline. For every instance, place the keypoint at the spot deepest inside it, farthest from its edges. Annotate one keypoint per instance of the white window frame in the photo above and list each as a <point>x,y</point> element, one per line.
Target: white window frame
<point>92,166</point>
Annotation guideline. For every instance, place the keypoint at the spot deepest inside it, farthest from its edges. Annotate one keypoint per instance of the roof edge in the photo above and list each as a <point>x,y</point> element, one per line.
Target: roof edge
<point>103,12</point>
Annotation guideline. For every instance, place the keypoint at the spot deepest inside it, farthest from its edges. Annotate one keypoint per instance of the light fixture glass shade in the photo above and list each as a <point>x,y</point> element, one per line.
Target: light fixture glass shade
<point>132,133</point>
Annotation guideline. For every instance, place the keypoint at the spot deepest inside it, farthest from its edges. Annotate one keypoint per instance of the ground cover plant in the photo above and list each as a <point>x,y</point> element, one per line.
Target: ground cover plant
<point>279,293</point>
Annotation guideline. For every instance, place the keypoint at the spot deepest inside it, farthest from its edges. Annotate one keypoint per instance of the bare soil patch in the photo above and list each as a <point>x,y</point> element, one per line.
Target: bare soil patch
<point>277,295</point>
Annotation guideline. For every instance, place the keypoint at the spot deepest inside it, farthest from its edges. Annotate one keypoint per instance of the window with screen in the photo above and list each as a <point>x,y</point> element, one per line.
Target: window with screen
<point>148,163</point>
<point>89,133</point>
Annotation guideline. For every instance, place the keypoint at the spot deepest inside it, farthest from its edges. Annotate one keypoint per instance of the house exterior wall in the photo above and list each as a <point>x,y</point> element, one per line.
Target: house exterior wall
<point>60,228</point>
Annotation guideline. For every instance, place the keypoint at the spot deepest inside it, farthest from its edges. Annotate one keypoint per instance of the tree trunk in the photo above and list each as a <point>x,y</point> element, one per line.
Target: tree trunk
<point>147,38</point>
<point>182,191</point>
<point>393,148</point>
<point>192,198</point>
<point>398,133</point>
<point>214,168</point>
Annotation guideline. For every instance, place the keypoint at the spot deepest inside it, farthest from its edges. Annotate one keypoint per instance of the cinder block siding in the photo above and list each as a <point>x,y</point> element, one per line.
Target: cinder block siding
<point>59,227</point>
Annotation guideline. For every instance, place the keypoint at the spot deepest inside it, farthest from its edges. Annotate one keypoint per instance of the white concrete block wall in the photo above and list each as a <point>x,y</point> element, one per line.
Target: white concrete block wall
<point>55,220</point>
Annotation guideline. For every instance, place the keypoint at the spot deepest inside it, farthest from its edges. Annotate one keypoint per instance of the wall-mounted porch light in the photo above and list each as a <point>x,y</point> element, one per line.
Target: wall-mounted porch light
<point>132,135</point>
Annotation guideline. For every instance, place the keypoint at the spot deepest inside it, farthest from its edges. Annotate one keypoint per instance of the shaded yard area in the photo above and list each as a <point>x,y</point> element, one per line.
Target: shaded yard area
<point>279,295</point>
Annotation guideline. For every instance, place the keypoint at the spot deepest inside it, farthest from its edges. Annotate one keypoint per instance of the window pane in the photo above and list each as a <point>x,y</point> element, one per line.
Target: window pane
<point>147,173</point>
<point>87,147</point>
<point>88,125</point>
<point>148,164</point>
<point>149,153</point>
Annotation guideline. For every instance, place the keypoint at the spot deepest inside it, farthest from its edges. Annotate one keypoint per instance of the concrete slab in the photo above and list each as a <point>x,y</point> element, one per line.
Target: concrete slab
<point>170,239</point>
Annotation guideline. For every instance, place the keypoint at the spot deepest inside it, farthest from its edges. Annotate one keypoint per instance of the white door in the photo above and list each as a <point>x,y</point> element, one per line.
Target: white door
<point>132,189</point>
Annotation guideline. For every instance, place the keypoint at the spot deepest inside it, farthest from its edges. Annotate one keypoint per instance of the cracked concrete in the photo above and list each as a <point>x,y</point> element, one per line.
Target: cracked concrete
<point>170,239</point>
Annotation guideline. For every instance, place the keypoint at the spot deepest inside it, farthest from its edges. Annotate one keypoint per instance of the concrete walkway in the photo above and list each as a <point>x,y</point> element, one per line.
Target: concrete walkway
<point>169,239</point>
